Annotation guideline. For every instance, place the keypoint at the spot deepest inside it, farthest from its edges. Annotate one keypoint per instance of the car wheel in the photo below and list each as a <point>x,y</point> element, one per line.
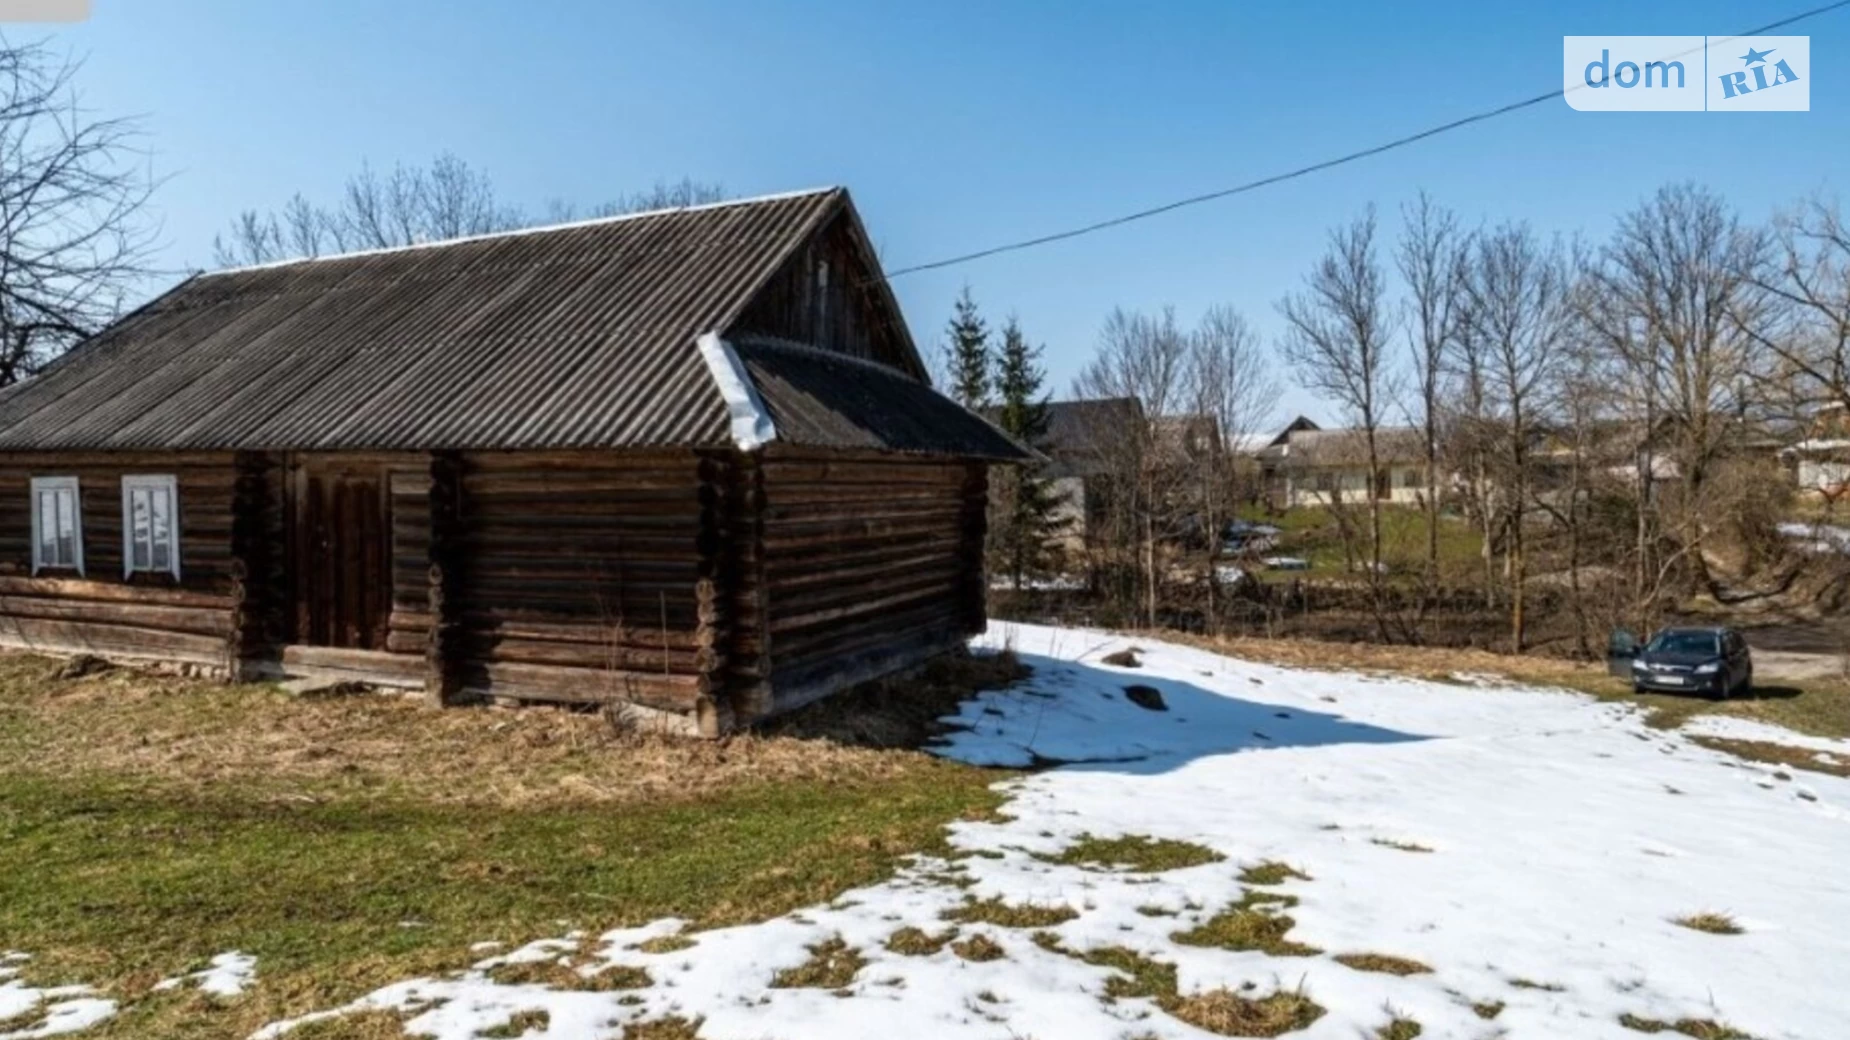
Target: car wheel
<point>1637,690</point>
<point>1747,683</point>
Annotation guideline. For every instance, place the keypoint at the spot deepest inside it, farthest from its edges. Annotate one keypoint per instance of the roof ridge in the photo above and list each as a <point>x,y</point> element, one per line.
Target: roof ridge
<point>535,229</point>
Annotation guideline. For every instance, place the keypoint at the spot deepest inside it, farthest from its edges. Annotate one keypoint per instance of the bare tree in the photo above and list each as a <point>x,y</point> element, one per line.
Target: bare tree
<point>1520,306</point>
<point>1430,257</point>
<point>75,239</point>
<point>1677,282</point>
<point>447,199</point>
<point>1803,333</point>
<point>1144,358</point>
<point>1231,390</point>
<point>1338,338</point>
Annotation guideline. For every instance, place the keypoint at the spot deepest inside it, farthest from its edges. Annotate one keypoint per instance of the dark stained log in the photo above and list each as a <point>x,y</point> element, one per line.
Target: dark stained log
<point>87,589</point>
<point>975,531</point>
<point>190,620</point>
<point>107,640</point>
<point>445,635</point>
<point>678,693</point>
<point>749,655</point>
<point>251,591</point>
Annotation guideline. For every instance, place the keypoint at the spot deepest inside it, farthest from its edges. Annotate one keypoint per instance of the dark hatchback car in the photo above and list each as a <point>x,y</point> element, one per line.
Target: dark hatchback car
<point>1712,661</point>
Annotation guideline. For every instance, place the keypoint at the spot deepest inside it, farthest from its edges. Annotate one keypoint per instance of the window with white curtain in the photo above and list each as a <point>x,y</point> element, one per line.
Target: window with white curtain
<point>150,525</point>
<point>57,526</point>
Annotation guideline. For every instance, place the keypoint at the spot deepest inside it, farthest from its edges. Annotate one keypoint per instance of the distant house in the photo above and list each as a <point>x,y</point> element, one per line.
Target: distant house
<point>1085,444</point>
<point>1305,465</point>
<point>1820,463</point>
<point>686,461</point>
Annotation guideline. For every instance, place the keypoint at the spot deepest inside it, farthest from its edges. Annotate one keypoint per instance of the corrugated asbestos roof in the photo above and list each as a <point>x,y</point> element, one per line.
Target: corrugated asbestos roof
<point>821,399</point>
<point>577,336</point>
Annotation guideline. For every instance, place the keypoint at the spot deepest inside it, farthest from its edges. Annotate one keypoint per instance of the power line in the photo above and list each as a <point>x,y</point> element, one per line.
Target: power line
<point>1302,171</point>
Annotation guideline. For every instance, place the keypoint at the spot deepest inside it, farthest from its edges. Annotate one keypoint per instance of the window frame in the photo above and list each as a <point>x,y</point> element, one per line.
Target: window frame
<point>167,482</point>
<point>43,485</point>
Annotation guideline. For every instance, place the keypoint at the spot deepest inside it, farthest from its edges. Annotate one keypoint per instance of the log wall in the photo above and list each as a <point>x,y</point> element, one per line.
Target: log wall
<point>197,619</point>
<point>591,577</point>
<point>715,587</point>
<point>869,563</point>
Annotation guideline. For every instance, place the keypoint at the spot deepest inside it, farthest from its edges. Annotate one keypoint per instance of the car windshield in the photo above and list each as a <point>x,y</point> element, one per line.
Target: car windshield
<point>1684,643</point>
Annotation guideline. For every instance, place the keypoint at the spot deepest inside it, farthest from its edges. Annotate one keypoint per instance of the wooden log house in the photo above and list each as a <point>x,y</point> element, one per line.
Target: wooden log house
<point>688,461</point>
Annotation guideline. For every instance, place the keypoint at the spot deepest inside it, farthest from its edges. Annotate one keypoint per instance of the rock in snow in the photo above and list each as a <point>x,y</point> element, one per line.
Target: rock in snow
<point>1533,848</point>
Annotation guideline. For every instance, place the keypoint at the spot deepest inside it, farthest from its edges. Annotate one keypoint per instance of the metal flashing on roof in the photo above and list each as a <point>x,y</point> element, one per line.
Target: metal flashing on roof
<point>751,423</point>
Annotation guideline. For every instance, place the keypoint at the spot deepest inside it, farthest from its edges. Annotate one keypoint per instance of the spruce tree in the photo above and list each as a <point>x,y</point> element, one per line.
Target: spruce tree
<point>1027,522</point>
<point>968,350</point>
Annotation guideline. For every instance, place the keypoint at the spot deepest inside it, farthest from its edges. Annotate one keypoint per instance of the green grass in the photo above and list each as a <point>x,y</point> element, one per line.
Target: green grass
<point>149,823</point>
<point>1136,853</point>
<point>1313,534</point>
<point>110,883</point>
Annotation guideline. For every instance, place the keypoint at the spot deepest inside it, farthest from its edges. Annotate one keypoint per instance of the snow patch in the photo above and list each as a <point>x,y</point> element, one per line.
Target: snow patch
<point>1727,727</point>
<point>60,1009</point>
<point>228,975</point>
<point>1507,837</point>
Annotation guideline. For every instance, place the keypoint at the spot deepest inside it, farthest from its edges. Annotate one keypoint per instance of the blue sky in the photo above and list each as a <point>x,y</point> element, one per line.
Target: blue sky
<point>956,125</point>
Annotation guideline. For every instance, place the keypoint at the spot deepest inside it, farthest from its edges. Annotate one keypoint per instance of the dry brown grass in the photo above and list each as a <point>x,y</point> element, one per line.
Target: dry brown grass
<point>26,1020</point>
<point>1820,707</point>
<point>519,1024</point>
<point>361,1025</point>
<point>832,964</point>
<point>189,734</point>
<point>1137,853</point>
<point>1403,846</point>
<point>1400,1029</point>
<point>1271,872</point>
<point>979,948</point>
<point>1488,1009</point>
<point>566,976</point>
<point>1227,1013</point>
<point>1699,1028</point>
<point>665,944</point>
<point>674,1027</point>
<point>1712,923</point>
<point>917,942</point>
<point>996,911</point>
<point>1250,924</point>
<point>1777,755</point>
<point>1381,962</point>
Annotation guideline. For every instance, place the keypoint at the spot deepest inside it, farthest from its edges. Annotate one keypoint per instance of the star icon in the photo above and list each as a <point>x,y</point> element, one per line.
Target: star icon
<point>1754,57</point>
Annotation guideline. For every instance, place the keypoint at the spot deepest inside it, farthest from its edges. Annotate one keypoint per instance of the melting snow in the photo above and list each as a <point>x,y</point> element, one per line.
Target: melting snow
<point>59,1009</point>
<point>228,975</point>
<point>1564,837</point>
<point>1727,727</point>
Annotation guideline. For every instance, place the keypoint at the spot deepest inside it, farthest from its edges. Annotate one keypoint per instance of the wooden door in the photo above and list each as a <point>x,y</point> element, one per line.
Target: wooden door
<point>341,554</point>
